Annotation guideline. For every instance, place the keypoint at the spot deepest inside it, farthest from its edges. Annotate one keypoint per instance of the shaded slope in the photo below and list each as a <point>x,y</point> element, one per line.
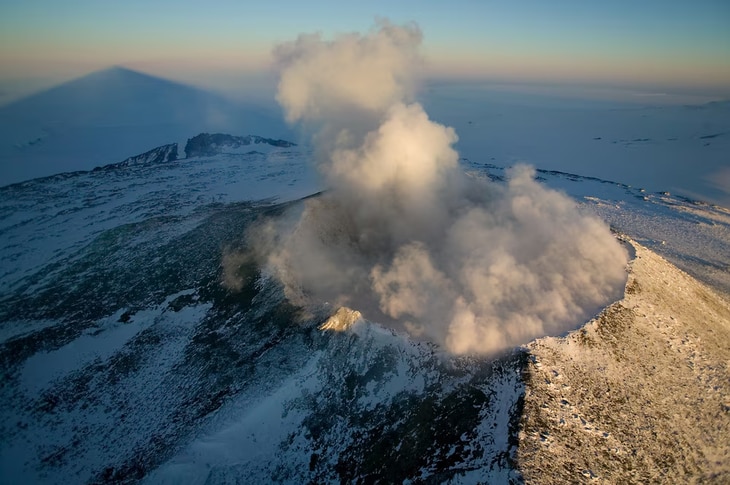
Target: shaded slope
<point>132,349</point>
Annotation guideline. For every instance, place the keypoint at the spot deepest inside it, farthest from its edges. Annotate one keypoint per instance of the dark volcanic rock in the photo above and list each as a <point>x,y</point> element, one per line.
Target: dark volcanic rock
<point>206,144</point>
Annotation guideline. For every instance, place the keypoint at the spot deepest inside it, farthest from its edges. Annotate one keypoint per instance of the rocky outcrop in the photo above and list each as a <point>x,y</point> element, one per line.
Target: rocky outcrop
<point>343,319</point>
<point>206,144</point>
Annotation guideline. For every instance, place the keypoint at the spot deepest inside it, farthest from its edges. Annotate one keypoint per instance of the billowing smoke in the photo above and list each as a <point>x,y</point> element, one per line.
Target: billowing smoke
<point>403,234</point>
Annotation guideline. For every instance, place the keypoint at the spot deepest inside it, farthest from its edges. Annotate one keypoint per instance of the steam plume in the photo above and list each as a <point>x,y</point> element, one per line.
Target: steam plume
<point>404,235</point>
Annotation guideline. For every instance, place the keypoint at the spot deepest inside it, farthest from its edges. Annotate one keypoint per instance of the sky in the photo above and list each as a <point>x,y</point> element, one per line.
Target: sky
<point>667,44</point>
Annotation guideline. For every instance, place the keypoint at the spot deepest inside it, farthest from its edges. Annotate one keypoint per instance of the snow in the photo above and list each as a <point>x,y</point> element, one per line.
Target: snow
<point>251,438</point>
<point>97,344</point>
<point>100,428</point>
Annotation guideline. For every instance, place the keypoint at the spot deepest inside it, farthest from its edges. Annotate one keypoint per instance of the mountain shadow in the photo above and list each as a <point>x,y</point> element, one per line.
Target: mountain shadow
<point>111,114</point>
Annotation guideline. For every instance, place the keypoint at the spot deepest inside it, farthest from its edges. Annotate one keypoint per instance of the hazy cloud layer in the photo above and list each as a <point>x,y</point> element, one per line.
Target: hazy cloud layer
<point>404,235</point>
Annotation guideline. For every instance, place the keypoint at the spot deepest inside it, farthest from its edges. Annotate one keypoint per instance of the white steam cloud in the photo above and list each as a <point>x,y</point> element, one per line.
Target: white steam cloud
<point>406,237</point>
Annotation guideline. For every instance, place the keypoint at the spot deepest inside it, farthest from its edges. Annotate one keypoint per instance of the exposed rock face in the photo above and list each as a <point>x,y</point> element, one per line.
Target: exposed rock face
<point>343,319</point>
<point>206,144</point>
<point>640,394</point>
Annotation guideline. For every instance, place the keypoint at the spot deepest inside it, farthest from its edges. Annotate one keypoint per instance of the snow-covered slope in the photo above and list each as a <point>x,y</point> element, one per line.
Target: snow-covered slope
<point>122,352</point>
<point>367,404</point>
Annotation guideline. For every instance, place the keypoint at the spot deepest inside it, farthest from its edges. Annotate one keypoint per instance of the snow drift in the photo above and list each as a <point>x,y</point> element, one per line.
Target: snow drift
<point>404,235</point>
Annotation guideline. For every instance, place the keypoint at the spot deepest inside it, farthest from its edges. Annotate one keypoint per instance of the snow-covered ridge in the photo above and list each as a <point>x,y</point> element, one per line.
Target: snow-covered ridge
<point>161,154</point>
<point>202,145</point>
<point>640,394</point>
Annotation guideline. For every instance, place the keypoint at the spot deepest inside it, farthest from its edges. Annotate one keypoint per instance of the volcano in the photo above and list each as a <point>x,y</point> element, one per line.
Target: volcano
<point>125,358</point>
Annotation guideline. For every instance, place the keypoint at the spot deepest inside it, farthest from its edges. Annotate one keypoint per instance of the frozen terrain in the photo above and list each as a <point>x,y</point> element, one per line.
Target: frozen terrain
<point>124,357</point>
